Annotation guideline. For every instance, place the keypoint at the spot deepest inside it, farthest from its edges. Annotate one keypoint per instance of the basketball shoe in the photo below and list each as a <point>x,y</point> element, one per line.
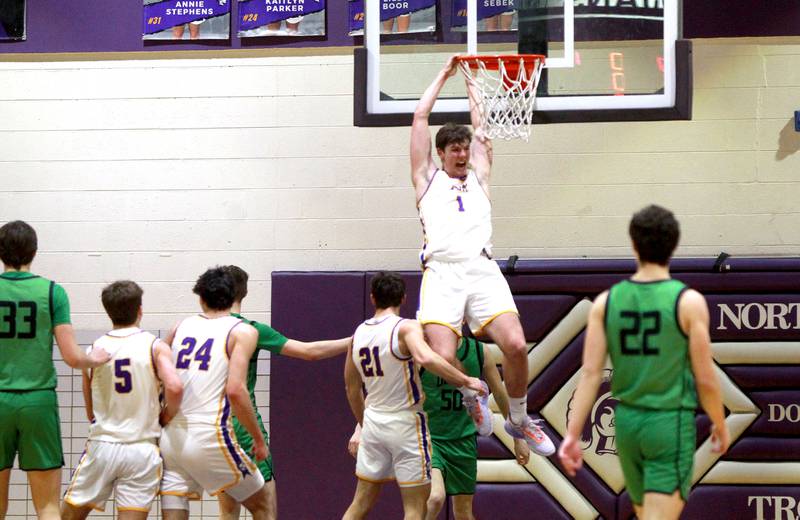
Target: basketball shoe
<point>533,434</point>
<point>478,409</point>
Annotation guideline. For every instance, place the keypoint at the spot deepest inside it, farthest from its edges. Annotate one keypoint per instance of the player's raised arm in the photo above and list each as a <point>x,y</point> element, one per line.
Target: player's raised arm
<point>422,164</point>
<point>352,386</point>
<point>244,339</point>
<point>173,387</point>
<point>693,312</point>
<point>412,341</point>
<point>595,350</point>
<point>481,146</point>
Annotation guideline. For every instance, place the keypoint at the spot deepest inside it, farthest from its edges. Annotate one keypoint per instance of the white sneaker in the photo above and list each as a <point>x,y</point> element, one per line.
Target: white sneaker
<point>533,434</point>
<point>478,409</point>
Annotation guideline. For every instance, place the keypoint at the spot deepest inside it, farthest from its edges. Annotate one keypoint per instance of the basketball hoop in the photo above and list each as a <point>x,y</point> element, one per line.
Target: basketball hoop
<point>507,86</point>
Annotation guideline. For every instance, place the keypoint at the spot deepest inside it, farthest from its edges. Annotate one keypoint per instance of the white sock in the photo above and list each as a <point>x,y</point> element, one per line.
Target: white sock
<point>467,392</point>
<point>518,409</point>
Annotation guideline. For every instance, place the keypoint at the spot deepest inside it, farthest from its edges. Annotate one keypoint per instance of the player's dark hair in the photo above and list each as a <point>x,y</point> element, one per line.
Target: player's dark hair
<point>452,133</point>
<point>18,244</point>
<point>240,278</point>
<point>388,289</point>
<point>122,300</point>
<point>216,288</point>
<point>655,233</point>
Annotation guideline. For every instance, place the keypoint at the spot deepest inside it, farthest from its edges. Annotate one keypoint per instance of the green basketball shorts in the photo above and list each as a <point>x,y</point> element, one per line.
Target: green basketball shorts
<point>29,424</point>
<point>656,450</point>
<point>246,442</point>
<point>458,462</point>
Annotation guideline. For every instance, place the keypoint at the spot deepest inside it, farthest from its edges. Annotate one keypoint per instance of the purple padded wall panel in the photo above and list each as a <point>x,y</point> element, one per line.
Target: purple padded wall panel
<point>314,472</point>
<point>753,300</point>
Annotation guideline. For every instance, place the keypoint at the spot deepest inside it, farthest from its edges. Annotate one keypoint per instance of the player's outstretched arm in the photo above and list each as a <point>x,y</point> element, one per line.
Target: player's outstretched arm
<point>693,314</point>
<point>352,386</point>
<point>72,353</point>
<point>422,164</point>
<point>412,342</point>
<point>243,344</point>
<point>595,350</point>
<point>173,387</point>
<point>315,350</point>
<point>522,452</point>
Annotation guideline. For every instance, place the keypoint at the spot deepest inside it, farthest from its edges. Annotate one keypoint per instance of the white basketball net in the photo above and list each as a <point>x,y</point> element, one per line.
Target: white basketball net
<point>506,98</point>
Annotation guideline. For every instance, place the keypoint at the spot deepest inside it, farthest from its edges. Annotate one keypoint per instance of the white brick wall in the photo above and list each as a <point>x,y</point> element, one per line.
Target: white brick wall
<point>155,170</point>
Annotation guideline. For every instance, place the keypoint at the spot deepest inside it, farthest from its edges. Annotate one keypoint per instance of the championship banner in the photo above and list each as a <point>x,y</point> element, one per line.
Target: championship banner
<point>493,15</point>
<point>281,18</point>
<point>397,16</point>
<point>168,19</point>
<point>12,19</point>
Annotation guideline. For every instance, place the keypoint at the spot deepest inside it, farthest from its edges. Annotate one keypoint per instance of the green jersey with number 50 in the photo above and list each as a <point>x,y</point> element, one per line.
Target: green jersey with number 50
<point>30,306</point>
<point>446,413</point>
<point>648,348</point>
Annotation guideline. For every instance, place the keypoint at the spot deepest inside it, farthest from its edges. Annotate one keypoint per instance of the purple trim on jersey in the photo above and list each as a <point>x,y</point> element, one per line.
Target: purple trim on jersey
<point>153,358</point>
<point>430,181</point>
<point>425,447</point>
<point>377,322</point>
<point>226,436</point>
<point>391,342</point>
<point>414,389</point>
<point>228,337</point>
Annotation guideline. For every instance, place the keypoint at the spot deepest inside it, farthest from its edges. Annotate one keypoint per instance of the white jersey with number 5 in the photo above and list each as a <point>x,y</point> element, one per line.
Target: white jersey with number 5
<point>200,353</point>
<point>125,390</point>
<point>456,217</point>
<point>390,379</point>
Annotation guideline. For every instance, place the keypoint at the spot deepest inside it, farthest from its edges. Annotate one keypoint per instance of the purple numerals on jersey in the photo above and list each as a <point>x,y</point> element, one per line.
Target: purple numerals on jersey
<point>370,362</point>
<point>203,354</point>
<point>460,203</point>
<point>125,385</point>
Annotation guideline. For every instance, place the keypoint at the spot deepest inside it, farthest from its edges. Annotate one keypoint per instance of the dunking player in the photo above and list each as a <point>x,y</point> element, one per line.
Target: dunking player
<point>460,281</point>
<point>211,352</point>
<point>656,331</point>
<point>395,442</point>
<point>33,310</point>
<point>272,341</point>
<point>123,408</point>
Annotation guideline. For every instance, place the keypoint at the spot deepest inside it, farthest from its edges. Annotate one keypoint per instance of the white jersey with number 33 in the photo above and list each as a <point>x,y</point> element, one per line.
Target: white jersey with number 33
<point>200,353</point>
<point>390,379</point>
<point>456,217</point>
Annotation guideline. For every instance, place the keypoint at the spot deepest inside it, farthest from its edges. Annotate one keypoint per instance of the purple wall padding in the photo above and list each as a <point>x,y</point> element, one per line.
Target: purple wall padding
<point>311,422</point>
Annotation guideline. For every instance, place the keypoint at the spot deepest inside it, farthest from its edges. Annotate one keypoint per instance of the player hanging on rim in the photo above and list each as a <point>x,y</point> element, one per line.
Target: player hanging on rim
<point>460,280</point>
<point>272,341</point>
<point>656,331</point>
<point>33,310</point>
<point>395,441</point>
<point>123,408</point>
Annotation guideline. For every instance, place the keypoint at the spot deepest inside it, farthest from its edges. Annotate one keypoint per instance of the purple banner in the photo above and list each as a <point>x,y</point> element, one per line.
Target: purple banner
<point>780,413</point>
<point>486,9</point>
<point>743,502</point>
<point>258,13</point>
<point>165,15</point>
<point>744,317</point>
<point>389,9</point>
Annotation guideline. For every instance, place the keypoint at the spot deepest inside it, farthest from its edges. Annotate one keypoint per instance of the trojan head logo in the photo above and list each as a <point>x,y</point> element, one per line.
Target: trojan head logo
<point>599,431</point>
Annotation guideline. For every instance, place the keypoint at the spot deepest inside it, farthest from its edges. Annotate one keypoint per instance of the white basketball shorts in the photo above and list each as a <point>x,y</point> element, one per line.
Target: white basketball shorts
<point>131,470</point>
<point>393,446</point>
<point>204,457</point>
<point>474,290</point>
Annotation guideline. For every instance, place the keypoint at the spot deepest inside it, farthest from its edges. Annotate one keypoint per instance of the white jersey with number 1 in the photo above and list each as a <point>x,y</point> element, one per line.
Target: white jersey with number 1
<point>456,217</point>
